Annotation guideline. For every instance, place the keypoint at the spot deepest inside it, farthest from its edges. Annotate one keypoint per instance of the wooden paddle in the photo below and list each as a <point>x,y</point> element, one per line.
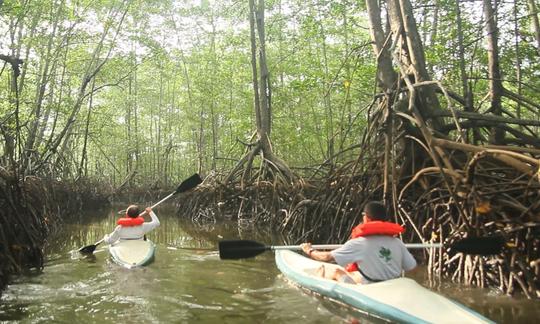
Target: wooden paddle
<point>186,185</point>
<point>241,249</point>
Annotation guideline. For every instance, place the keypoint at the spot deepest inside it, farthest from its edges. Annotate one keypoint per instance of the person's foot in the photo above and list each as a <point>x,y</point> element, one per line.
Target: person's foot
<point>320,271</point>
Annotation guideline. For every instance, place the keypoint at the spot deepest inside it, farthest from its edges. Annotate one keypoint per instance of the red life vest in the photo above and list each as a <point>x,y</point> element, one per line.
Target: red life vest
<point>373,228</point>
<point>130,221</point>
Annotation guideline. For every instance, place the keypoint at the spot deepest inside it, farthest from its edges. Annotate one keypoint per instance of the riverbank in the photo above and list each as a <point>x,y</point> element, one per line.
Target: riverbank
<point>30,211</point>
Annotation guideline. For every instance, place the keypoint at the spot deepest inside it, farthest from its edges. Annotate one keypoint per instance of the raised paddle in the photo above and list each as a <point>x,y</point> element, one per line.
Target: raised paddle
<point>242,249</point>
<point>186,185</point>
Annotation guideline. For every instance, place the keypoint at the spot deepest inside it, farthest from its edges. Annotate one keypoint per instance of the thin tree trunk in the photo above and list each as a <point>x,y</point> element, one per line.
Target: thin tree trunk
<point>31,35</point>
<point>327,102</point>
<point>190,96</point>
<point>435,25</point>
<point>518,58</point>
<point>84,159</point>
<point>135,111</point>
<point>158,148</point>
<point>495,83</point>
<point>536,24</point>
<point>254,74</point>
<point>129,129</point>
<point>465,87</point>
<point>200,141</point>
<point>434,31</point>
<point>46,116</point>
<point>213,104</point>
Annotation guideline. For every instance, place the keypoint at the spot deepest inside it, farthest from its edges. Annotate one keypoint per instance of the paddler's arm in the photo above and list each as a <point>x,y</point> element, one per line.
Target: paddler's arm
<point>316,254</point>
<point>148,226</point>
<point>113,237</point>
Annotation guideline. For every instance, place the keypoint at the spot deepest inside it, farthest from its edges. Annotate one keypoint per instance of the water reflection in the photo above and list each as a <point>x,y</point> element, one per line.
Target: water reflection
<point>188,283</point>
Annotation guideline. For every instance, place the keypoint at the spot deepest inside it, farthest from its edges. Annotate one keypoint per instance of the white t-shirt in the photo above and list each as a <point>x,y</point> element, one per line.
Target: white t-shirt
<point>380,257</point>
<point>132,232</point>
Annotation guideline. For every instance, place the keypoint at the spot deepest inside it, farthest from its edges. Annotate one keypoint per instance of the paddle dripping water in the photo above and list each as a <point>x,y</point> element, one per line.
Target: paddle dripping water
<point>187,283</point>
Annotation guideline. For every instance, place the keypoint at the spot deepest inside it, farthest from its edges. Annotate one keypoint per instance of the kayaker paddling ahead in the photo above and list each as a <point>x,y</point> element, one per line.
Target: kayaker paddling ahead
<point>373,250</point>
<point>132,226</point>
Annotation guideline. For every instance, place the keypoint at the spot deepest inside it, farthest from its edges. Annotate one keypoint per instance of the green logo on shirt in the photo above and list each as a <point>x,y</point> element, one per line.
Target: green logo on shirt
<point>385,254</point>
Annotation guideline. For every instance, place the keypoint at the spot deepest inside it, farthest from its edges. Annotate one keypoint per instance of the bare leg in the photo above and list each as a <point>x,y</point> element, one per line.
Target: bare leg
<point>334,274</point>
<point>321,272</point>
<point>342,276</point>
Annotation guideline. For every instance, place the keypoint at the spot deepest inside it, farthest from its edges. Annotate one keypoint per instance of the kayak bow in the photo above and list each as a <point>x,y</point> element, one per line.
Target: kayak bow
<point>132,253</point>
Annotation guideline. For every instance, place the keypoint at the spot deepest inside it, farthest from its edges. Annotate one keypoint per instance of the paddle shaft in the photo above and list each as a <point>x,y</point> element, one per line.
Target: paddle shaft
<point>241,249</point>
<point>153,206</point>
<point>335,246</point>
<point>162,200</point>
<point>187,184</point>
<point>159,202</point>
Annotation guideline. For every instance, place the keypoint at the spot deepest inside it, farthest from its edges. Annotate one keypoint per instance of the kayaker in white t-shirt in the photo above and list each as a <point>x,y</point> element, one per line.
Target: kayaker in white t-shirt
<point>132,226</point>
<point>377,257</point>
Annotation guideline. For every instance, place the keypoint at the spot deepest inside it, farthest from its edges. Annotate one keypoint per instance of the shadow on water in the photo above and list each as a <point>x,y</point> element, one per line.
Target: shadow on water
<point>188,283</point>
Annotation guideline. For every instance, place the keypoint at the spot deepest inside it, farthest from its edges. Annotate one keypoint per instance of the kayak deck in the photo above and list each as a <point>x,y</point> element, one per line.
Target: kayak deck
<point>401,299</point>
<point>132,253</point>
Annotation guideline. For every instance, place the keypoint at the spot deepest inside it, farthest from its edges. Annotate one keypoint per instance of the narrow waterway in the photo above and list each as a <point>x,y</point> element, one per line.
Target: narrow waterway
<point>188,283</point>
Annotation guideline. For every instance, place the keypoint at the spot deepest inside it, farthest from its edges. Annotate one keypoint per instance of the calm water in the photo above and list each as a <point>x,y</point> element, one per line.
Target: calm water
<point>188,283</point>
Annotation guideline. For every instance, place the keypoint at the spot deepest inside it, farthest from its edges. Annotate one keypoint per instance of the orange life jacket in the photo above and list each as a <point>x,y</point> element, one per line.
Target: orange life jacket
<point>130,221</point>
<point>373,228</point>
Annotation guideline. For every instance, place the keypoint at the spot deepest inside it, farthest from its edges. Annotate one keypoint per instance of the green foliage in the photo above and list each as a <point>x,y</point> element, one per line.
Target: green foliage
<point>442,54</point>
<point>175,88</point>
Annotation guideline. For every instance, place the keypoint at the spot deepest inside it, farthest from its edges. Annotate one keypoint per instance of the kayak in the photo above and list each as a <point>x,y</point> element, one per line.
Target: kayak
<point>401,300</point>
<point>132,253</point>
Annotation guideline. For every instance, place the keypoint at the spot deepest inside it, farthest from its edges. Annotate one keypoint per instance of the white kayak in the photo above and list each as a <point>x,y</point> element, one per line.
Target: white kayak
<point>401,300</point>
<point>132,253</point>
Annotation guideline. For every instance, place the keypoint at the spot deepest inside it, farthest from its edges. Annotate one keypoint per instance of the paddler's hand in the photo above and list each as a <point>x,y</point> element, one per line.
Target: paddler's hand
<point>146,211</point>
<point>306,247</point>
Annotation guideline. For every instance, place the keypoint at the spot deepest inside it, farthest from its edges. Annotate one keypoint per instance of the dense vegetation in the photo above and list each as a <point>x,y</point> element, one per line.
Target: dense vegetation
<point>144,93</point>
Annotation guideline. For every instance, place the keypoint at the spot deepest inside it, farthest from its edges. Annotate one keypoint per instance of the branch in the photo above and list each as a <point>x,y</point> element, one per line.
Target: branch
<point>519,98</point>
<point>518,161</point>
<point>15,63</point>
<point>484,117</point>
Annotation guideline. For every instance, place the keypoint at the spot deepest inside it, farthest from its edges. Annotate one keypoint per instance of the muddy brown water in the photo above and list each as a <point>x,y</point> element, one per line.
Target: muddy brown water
<point>188,283</point>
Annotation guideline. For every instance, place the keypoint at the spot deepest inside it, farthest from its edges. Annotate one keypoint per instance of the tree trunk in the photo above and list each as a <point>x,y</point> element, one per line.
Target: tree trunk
<point>213,104</point>
<point>386,76</point>
<point>518,58</point>
<point>465,87</point>
<point>83,165</point>
<point>435,25</point>
<point>536,24</point>
<point>495,83</point>
<point>403,24</point>
<point>262,101</point>
<point>327,102</point>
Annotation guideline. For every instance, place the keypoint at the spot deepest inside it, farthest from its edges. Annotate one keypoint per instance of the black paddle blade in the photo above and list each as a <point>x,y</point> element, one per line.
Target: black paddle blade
<point>486,245</point>
<point>189,183</point>
<point>89,249</point>
<point>240,249</point>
